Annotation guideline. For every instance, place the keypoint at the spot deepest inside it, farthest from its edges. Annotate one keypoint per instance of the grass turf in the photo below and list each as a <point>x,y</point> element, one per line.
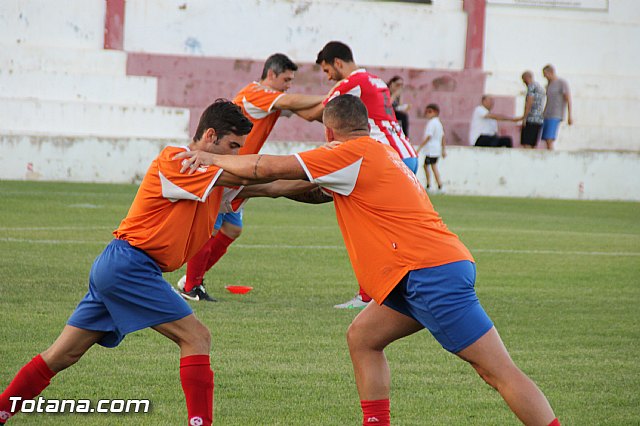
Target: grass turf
<point>560,279</point>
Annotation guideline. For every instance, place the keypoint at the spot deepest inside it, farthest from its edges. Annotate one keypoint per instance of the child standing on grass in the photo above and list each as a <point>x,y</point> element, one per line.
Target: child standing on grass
<point>433,144</point>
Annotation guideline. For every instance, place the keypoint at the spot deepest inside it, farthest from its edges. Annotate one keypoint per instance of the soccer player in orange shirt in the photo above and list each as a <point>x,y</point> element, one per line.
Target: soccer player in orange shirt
<point>419,274</point>
<point>263,102</point>
<point>171,217</point>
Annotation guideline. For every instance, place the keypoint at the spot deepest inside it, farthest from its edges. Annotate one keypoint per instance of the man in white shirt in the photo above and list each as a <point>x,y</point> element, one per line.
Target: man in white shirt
<point>484,126</point>
<point>433,145</point>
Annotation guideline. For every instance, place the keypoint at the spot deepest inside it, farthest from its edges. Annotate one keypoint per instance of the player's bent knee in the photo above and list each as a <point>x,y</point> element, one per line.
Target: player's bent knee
<point>201,338</point>
<point>360,337</point>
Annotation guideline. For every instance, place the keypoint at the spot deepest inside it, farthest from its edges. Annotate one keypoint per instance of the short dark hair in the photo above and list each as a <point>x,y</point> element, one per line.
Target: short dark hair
<point>278,63</point>
<point>393,80</point>
<point>224,117</point>
<point>434,107</point>
<point>346,113</point>
<point>333,50</point>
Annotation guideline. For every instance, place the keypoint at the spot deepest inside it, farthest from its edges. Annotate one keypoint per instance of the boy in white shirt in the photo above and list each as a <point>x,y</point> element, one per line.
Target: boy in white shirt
<point>433,145</point>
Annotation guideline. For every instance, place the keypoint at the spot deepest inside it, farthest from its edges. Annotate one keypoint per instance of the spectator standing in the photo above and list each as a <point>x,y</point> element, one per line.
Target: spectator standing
<point>532,118</point>
<point>484,126</point>
<point>433,144</point>
<point>396,86</point>
<point>558,99</point>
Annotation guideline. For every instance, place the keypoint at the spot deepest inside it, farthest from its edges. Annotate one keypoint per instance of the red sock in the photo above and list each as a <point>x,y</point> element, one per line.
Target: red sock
<point>375,413</point>
<point>32,379</point>
<point>555,422</point>
<point>365,296</point>
<point>218,248</point>
<point>208,255</point>
<point>197,383</point>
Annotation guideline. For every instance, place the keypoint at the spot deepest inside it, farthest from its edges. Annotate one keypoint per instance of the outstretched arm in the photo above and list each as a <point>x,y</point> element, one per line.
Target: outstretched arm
<point>311,114</point>
<point>278,188</point>
<point>295,102</point>
<point>500,117</point>
<point>257,168</point>
<point>297,190</point>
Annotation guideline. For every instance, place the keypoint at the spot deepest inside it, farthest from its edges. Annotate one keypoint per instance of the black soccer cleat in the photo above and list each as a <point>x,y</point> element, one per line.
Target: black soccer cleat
<point>198,293</point>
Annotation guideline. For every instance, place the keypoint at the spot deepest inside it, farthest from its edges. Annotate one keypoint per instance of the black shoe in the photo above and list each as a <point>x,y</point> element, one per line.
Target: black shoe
<point>198,293</point>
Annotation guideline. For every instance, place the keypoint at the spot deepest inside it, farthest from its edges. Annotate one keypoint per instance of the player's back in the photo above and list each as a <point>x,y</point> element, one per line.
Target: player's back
<point>375,94</point>
<point>256,102</point>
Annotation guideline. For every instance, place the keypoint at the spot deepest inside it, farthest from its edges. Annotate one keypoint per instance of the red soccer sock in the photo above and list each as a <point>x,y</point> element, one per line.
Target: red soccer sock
<point>32,379</point>
<point>208,255</point>
<point>365,296</point>
<point>197,266</point>
<point>375,413</point>
<point>555,422</point>
<point>218,248</point>
<point>197,383</point>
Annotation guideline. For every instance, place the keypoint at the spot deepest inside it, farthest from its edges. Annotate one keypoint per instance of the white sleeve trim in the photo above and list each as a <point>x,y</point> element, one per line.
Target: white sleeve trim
<point>173,192</point>
<point>341,181</point>
<point>304,167</point>
<point>274,102</point>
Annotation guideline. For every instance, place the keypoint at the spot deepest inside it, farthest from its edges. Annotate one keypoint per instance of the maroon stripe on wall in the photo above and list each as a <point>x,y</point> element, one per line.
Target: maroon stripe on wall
<point>114,25</point>
<point>474,52</point>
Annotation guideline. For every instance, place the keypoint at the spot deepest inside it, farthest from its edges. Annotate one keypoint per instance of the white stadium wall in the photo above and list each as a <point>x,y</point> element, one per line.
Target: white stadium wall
<point>594,47</point>
<point>70,110</point>
<point>395,34</point>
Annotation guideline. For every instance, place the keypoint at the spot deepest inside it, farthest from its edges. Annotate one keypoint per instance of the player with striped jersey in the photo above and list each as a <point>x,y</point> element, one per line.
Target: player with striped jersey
<point>336,60</point>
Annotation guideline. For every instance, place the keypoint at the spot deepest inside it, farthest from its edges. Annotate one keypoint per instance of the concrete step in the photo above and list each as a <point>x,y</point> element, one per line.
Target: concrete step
<point>60,59</point>
<point>72,24</point>
<point>74,118</point>
<point>599,111</point>
<point>592,137</point>
<point>509,83</point>
<point>59,86</point>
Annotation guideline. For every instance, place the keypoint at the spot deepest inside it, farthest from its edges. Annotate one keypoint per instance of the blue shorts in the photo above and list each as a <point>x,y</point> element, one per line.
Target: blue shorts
<point>412,163</point>
<point>232,218</point>
<point>550,128</point>
<point>126,293</point>
<point>443,299</point>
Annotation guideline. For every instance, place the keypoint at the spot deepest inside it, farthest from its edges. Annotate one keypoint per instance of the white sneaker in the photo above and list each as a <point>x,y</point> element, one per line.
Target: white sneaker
<point>442,191</point>
<point>181,282</point>
<point>355,303</point>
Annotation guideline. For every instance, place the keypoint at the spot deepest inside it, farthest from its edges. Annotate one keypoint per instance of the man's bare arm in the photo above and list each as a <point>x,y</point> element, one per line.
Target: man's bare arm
<point>314,196</point>
<point>295,102</point>
<point>256,168</point>
<point>311,114</point>
<point>499,117</point>
<point>278,188</point>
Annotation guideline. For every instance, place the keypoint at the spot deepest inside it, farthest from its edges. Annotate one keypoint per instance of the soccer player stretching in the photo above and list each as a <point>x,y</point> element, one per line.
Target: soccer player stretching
<point>171,217</point>
<point>419,273</point>
<point>263,102</point>
<point>336,61</point>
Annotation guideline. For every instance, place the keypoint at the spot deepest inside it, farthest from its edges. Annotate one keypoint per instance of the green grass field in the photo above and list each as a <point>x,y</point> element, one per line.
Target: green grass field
<point>560,279</point>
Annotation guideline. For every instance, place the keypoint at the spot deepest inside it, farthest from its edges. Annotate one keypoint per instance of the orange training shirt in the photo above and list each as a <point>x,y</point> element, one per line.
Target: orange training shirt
<point>387,221</point>
<point>173,213</point>
<point>257,103</point>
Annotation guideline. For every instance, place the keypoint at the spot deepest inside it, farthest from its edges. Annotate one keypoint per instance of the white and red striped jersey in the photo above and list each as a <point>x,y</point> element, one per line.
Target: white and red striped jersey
<point>374,93</point>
